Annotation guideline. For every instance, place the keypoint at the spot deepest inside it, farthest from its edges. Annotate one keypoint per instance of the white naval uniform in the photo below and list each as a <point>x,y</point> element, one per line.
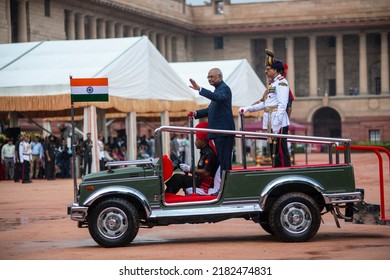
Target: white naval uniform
<point>278,95</point>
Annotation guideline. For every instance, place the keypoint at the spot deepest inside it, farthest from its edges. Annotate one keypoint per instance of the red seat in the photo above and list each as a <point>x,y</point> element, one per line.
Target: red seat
<point>174,198</point>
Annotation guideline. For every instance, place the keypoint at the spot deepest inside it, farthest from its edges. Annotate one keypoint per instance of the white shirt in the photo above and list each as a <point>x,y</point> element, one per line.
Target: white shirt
<point>278,96</point>
<point>101,149</point>
<point>8,151</point>
<point>25,151</point>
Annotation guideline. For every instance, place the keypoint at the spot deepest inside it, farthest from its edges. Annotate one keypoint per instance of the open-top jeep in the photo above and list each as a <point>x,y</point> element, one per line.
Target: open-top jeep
<point>286,202</point>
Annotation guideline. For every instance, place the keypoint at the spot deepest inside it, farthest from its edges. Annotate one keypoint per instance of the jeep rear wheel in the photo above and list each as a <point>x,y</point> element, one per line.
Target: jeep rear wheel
<point>113,222</point>
<point>295,217</point>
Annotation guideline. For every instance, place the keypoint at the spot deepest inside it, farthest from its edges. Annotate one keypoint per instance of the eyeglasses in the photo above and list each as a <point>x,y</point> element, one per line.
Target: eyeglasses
<point>212,76</point>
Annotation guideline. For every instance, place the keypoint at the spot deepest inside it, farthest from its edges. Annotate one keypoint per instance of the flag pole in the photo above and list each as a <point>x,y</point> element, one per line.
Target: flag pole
<point>73,150</point>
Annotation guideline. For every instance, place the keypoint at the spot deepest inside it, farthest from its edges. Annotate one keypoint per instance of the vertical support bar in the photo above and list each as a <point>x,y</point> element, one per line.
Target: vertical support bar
<point>337,156</point>
<point>191,121</point>
<point>347,153</point>
<point>330,153</point>
<point>243,142</point>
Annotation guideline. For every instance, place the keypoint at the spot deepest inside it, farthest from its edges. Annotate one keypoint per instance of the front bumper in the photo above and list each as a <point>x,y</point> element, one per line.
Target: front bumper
<point>77,213</point>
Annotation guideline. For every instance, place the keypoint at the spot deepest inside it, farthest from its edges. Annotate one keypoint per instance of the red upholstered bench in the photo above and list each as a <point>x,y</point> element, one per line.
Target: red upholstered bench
<point>175,198</point>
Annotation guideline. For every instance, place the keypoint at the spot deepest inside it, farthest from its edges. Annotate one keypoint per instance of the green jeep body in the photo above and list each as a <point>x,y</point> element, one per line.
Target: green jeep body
<point>286,202</point>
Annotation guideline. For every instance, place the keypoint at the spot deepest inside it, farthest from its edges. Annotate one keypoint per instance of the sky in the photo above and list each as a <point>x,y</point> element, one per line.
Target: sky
<point>201,2</point>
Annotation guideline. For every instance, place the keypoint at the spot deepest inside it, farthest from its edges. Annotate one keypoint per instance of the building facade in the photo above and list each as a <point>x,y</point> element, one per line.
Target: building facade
<point>337,52</point>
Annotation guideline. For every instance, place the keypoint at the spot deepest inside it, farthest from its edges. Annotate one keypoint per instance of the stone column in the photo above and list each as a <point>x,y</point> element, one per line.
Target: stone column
<point>80,26</point>
<point>110,29</point>
<point>269,46</point>
<point>153,37</point>
<point>161,44</point>
<point>92,27</point>
<point>71,26</point>
<point>166,149</point>
<point>101,28</point>
<point>363,81</point>
<point>168,41</point>
<point>131,131</point>
<point>90,125</point>
<point>136,31</point>
<point>290,63</point>
<point>384,63</point>
<point>313,78</point>
<point>22,21</point>
<point>339,65</point>
<point>119,30</point>
<point>129,31</point>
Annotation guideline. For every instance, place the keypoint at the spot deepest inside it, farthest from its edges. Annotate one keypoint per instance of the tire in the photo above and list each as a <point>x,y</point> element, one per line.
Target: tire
<point>113,222</point>
<point>295,217</point>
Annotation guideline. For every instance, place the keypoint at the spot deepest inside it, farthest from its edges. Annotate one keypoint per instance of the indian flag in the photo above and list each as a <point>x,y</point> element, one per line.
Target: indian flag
<point>89,89</point>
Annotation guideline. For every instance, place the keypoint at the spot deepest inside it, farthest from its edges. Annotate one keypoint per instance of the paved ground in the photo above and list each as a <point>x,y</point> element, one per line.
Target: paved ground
<point>34,226</point>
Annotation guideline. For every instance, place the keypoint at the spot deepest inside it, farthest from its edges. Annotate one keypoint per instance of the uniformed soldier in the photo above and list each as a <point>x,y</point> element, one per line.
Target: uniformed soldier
<point>25,158</point>
<point>275,118</point>
<point>205,171</point>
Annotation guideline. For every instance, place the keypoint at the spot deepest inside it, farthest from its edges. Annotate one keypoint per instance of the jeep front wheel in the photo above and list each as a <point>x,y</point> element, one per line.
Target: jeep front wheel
<point>113,222</point>
<point>295,217</point>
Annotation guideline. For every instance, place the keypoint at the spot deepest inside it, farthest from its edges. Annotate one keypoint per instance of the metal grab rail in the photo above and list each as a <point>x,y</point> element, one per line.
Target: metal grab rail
<point>377,151</point>
<point>149,161</point>
<point>260,136</point>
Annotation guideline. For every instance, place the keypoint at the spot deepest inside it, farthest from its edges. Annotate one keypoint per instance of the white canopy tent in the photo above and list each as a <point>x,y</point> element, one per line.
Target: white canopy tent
<point>140,79</point>
<point>34,79</point>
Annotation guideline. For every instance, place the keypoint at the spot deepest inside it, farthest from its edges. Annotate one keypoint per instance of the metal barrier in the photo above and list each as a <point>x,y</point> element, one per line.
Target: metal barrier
<point>377,151</point>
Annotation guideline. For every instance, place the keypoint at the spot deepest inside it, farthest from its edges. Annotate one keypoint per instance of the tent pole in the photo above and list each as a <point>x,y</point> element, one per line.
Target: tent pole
<point>192,140</point>
<point>243,142</point>
<point>73,153</point>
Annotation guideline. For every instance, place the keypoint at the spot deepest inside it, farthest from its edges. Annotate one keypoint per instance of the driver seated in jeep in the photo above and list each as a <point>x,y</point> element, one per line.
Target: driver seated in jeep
<point>204,172</point>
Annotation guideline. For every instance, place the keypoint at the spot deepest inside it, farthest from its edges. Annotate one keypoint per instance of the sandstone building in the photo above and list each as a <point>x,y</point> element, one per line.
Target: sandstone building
<point>337,51</point>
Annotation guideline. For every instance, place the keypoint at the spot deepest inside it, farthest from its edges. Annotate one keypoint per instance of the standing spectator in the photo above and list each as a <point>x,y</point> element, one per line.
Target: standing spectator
<point>25,158</point>
<point>101,151</point>
<point>37,157</point>
<point>220,115</point>
<point>174,143</point>
<point>65,153</point>
<point>116,154</point>
<point>123,151</point>
<point>182,144</point>
<point>152,147</point>
<point>87,147</point>
<point>8,157</point>
<point>50,158</point>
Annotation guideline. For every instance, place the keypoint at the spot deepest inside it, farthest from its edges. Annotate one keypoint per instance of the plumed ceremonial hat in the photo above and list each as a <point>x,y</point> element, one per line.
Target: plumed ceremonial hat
<point>269,58</point>
<point>202,135</point>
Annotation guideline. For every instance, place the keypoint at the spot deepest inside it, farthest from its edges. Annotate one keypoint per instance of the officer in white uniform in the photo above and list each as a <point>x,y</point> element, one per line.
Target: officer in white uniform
<point>275,118</point>
<point>25,158</point>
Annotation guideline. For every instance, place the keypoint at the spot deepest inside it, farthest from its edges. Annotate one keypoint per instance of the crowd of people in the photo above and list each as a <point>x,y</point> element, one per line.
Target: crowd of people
<point>31,157</point>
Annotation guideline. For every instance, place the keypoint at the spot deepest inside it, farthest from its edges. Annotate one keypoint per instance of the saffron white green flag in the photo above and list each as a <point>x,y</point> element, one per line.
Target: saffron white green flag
<point>89,89</point>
